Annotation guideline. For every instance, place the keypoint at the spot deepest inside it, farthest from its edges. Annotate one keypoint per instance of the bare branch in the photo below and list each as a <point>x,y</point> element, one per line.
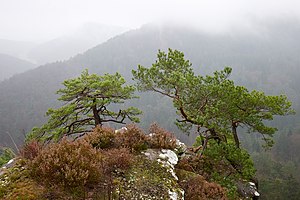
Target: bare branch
<point>163,93</point>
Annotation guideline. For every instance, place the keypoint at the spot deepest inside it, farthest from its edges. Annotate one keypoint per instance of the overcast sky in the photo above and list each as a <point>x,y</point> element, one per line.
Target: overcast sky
<point>46,19</point>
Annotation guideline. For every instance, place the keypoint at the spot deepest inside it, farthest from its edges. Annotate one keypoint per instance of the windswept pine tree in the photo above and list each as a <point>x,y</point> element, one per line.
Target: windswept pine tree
<point>88,99</point>
<point>212,104</point>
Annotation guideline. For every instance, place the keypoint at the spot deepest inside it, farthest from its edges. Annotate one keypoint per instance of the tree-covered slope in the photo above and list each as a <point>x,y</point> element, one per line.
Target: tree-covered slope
<point>266,59</point>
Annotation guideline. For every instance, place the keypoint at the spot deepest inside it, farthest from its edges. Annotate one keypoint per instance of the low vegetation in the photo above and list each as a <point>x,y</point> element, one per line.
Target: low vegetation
<point>106,164</point>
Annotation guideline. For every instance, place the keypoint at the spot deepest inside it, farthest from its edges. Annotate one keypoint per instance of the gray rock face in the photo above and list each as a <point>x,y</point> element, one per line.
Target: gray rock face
<point>168,159</point>
<point>9,164</point>
<point>248,190</point>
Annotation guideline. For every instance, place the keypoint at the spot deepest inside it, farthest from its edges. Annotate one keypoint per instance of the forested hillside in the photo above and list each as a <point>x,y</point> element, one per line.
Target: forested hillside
<point>265,59</point>
<point>260,61</point>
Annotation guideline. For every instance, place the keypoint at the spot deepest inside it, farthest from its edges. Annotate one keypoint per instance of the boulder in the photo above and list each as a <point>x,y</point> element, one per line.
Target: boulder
<point>248,190</point>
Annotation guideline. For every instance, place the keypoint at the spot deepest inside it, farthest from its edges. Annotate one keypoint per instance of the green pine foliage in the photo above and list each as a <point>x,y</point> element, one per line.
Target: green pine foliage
<point>216,108</point>
<point>87,104</point>
<point>5,155</point>
<point>213,104</point>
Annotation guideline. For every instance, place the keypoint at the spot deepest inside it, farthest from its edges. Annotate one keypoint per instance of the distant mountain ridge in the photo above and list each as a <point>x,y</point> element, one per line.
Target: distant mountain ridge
<point>10,66</point>
<point>62,48</point>
<point>18,49</point>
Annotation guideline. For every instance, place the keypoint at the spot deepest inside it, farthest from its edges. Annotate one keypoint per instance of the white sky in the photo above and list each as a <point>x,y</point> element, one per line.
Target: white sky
<point>45,19</point>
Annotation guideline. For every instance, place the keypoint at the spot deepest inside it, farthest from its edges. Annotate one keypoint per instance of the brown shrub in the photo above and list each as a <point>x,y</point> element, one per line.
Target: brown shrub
<point>101,138</point>
<point>161,138</point>
<point>70,164</point>
<point>116,159</point>
<point>26,189</point>
<point>105,138</point>
<point>197,188</point>
<point>192,164</point>
<point>185,164</point>
<point>31,149</point>
<point>133,139</point>
<point>114,164</point>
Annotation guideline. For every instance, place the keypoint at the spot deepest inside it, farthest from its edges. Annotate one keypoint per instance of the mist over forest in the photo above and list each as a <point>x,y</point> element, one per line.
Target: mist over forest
<point>264,54</point>
<point>266,60</point>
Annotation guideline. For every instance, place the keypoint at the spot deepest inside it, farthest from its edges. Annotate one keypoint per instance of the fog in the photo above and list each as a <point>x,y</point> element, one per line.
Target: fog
<point>44,42</point>
<point>42,20</point>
